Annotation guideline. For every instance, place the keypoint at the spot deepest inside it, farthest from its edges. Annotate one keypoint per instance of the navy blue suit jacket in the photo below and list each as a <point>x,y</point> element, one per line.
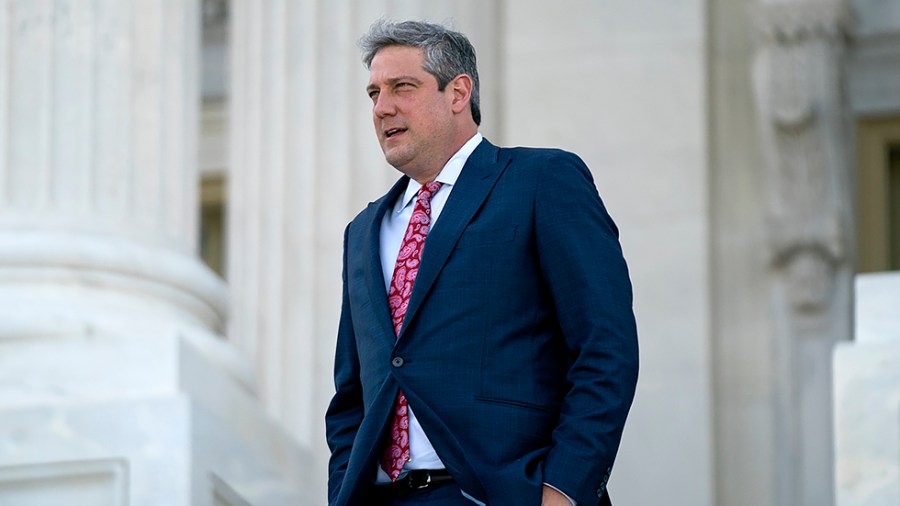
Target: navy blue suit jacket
<point>518,351</point>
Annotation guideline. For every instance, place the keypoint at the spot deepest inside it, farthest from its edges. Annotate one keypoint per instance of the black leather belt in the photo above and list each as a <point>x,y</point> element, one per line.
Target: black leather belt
<point>416,480</point>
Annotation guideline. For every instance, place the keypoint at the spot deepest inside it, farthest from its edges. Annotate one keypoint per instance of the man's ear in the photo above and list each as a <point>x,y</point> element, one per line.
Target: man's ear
<point>461,89</point>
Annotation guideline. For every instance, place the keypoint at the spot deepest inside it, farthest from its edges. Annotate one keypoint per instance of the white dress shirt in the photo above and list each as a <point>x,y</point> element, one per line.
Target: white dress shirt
<point>393,228</point>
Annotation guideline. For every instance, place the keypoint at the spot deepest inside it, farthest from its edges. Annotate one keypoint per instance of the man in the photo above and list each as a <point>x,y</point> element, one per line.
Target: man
<point>487,351</point>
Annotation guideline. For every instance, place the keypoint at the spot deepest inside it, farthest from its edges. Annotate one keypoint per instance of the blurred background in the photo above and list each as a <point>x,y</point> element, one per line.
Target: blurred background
<point>176,175</point>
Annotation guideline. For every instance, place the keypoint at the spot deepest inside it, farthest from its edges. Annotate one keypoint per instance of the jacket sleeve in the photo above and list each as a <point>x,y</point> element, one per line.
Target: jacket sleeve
<point>345,412</point>
<point>585,271</point>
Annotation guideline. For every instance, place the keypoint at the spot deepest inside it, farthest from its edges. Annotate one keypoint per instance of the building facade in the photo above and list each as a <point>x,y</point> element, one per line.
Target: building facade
<point>749,151</point>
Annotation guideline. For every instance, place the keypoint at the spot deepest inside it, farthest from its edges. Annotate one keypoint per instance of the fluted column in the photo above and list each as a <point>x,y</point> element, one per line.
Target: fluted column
<point>298,171</point>
<point>98,183</point>
<point>115,384</point>
<point>802,117</point>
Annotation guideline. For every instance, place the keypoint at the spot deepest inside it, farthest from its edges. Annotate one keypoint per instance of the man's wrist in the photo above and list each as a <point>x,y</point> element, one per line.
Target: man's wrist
<point>561,493</point>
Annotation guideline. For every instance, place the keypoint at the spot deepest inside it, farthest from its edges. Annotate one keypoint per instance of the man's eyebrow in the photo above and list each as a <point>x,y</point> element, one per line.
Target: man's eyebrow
<point>394,80</point>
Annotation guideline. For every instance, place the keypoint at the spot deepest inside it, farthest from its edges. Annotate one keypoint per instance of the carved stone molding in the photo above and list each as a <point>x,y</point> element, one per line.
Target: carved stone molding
<point>800,102</point>
<point>103,481</point>
<point>792,22</point>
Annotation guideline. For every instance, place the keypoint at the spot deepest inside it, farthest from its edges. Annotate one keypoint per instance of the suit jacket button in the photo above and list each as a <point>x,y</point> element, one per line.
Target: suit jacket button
<point>397,362</point>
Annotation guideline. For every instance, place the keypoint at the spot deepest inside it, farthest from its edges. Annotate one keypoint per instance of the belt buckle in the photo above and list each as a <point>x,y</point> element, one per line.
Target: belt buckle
<point>418,481</point>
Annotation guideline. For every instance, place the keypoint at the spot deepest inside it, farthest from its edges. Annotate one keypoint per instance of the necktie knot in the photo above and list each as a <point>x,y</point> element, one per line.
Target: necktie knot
<point>428,190</point>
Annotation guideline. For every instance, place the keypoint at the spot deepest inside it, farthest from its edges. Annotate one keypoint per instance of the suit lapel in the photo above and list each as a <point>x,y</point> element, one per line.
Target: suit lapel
<point>471,189</point>
<point>373,272</point>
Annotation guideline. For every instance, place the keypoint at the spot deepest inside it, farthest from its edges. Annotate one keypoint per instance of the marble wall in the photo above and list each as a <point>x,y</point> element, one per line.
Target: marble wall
<point>867,398</point>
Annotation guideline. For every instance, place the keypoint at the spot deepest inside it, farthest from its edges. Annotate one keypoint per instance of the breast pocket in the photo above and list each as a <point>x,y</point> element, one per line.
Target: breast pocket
<point>487,237</point>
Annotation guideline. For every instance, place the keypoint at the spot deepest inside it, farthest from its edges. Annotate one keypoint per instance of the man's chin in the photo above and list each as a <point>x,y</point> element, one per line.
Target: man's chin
<point>396,160</point>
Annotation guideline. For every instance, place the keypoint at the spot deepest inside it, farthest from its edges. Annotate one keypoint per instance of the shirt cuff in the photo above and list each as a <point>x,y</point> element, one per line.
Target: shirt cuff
<point>561,492</point>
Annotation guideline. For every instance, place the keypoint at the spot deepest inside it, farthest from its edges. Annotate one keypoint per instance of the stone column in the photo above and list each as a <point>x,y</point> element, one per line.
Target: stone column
<point>115,386</point>
<point>300,167</point>
<point>98,186</point>
<point>98,176</point>
<point>802,120</point>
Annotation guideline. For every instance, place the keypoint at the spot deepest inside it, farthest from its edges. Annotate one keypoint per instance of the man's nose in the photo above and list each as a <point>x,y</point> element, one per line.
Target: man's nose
<point>384,106</point>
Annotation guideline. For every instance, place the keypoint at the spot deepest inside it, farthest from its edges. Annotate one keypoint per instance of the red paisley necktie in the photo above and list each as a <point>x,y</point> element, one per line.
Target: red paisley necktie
<point>396,454</point>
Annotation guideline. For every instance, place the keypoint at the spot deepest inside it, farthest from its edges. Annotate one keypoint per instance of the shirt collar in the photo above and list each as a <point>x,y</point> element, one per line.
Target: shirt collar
<point>449,174</point>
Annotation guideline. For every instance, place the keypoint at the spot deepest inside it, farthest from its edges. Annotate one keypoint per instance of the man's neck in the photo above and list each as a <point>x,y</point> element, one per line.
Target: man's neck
<point>427,176</point>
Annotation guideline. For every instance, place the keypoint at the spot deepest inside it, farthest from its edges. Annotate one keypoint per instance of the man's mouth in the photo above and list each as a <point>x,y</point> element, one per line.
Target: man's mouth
<point>392,132</point>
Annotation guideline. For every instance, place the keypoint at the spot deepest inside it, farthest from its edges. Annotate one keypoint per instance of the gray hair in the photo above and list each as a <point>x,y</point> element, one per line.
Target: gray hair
<point>447,53</point>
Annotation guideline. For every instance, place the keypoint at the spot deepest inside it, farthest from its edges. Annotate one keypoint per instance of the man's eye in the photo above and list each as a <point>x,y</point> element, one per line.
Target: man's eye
<point>373,95</point>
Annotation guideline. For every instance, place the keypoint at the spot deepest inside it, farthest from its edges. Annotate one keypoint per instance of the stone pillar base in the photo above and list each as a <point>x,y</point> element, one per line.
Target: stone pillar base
<point>164,425</point>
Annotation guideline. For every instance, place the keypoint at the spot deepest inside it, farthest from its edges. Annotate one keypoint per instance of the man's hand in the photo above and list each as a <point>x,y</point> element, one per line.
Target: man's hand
<point>552,497</point>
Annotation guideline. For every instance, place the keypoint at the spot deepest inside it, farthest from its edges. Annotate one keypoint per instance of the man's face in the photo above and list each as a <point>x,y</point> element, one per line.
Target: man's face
<point>413,120</point>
